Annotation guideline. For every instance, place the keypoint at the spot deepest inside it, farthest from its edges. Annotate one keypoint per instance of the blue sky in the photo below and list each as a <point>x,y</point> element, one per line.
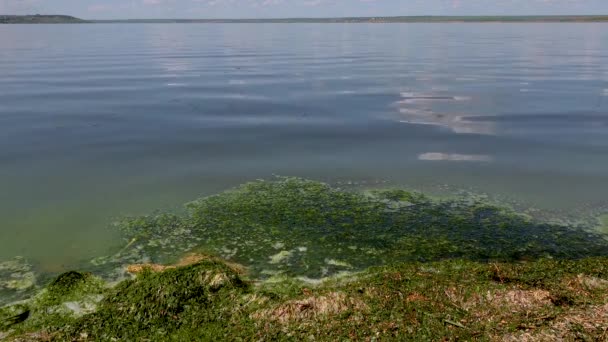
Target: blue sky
<point>103,9</point>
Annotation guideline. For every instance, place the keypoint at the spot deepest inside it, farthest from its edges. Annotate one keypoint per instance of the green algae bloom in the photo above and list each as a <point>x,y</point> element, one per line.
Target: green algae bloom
<point>293,226</point>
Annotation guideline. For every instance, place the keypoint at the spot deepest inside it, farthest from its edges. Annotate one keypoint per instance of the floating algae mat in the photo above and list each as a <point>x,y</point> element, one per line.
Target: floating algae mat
<point>292,227</point>
<point>604,223</point>
<point>17,279</point>
<point>303,228</point>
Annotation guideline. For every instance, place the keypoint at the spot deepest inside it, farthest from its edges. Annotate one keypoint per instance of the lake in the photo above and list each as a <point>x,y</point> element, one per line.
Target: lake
<point>100,121</point>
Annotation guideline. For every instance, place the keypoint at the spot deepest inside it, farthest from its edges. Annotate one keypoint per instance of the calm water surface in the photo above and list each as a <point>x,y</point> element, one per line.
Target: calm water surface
<point>101,121</point>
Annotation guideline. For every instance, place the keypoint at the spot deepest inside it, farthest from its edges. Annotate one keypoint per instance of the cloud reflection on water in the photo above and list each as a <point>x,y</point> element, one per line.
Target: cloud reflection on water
<point>437,156</point>
<point>417,108</point>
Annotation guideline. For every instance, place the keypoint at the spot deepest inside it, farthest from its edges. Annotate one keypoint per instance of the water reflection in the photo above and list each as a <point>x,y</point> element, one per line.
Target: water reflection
<point>436,156</point>
<point>417,108</point>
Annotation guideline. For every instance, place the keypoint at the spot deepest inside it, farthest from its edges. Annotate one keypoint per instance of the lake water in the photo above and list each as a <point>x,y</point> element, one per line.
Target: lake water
<point>104,120</point>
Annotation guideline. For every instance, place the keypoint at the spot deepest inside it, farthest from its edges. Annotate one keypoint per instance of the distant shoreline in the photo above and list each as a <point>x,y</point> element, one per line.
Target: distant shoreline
<point>355,20</point>
<point>62,19</point>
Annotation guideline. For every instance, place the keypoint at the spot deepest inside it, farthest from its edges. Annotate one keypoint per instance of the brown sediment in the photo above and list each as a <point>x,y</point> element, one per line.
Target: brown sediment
<point>416,297</point>
<point>582,284</point>
<point>138,268</point>
<point>312,307</point>
<point>187,260</point>
<point>573,325</point>
<point>519,300</point>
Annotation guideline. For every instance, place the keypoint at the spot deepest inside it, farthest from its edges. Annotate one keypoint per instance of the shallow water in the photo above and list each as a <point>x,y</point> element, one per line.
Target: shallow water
<point>101,121</point>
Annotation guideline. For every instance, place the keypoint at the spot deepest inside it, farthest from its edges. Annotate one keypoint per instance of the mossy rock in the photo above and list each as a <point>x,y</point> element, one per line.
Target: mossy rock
<point>67,283</point>
<point>68,287</point>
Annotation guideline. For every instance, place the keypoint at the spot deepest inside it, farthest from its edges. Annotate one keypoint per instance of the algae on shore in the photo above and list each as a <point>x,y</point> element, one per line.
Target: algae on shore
<point>69,296</point>
<point>448,300</point>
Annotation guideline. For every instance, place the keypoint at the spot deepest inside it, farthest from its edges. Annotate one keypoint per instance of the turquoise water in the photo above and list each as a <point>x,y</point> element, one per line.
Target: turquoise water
<point>101,121</point>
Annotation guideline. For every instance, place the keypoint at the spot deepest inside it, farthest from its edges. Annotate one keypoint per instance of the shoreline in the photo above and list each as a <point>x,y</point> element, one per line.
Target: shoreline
<point>207,298</point>
<point>293,258</point>
<point>313,230</point>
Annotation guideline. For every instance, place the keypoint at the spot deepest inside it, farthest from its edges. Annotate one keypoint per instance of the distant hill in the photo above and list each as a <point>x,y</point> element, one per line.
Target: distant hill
<point>39,19</point>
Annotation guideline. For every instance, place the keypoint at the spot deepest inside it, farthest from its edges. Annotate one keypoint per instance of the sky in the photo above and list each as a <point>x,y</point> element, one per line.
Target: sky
<point>121,9</point>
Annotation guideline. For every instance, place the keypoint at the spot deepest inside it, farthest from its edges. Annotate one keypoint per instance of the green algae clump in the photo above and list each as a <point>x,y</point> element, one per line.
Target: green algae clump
<point>201,297</point>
